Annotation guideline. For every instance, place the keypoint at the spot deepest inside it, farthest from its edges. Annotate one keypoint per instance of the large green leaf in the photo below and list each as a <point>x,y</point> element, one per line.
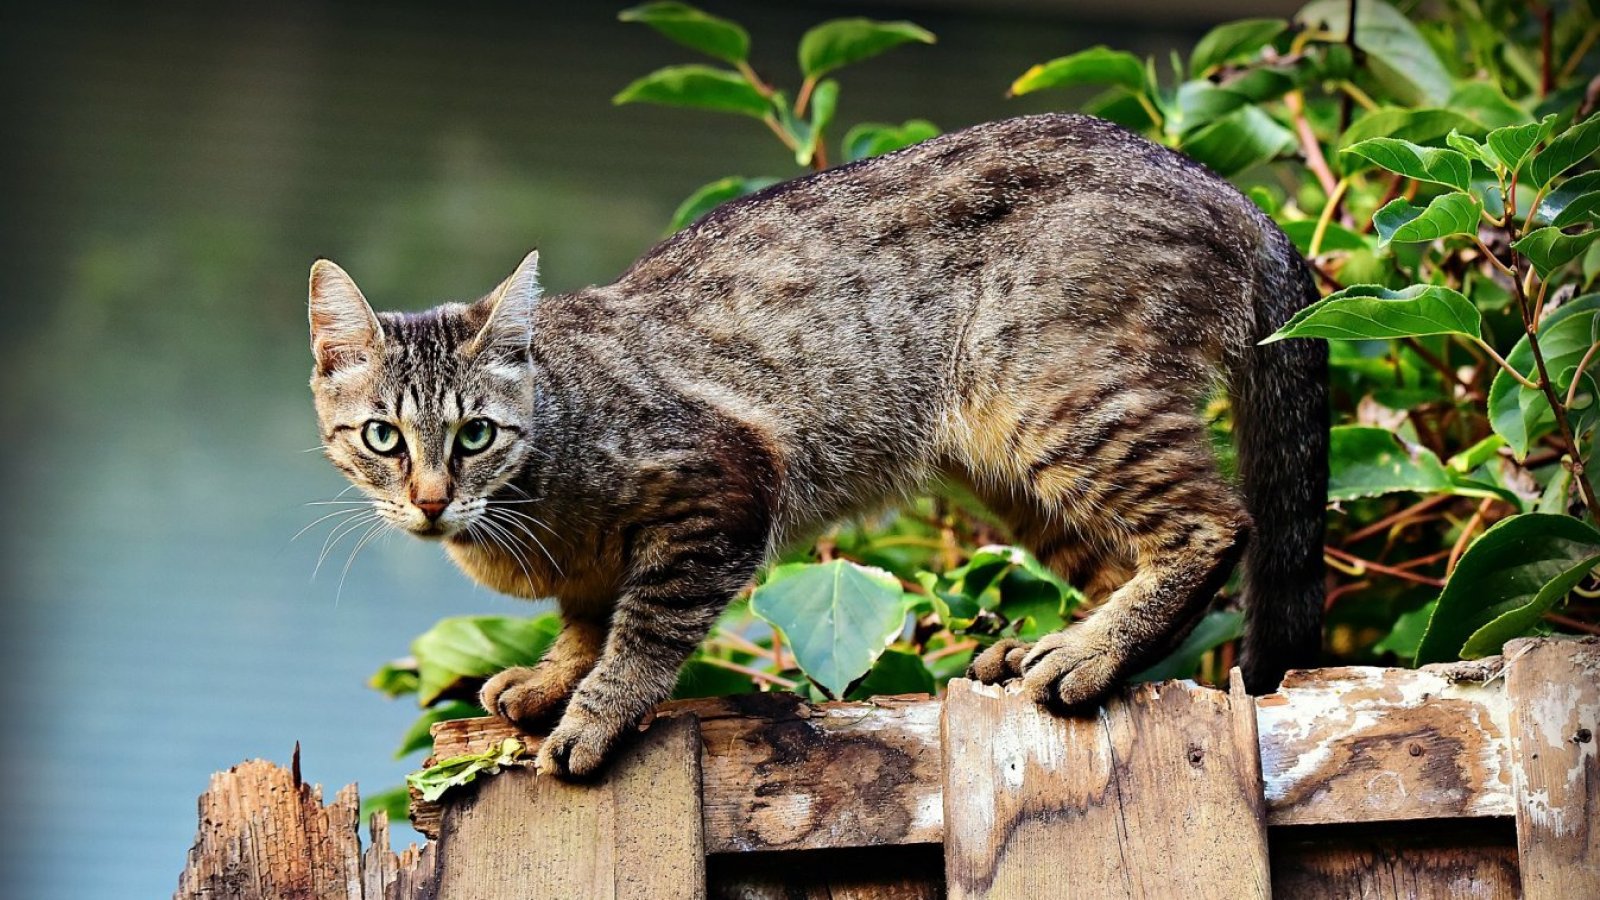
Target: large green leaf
<point>841,42</point>
<point>1513,144</point>
<point>1484,101</point>
<point>895,672</point>
<point>1397,54</point>
<point>1571,147</point>
<point>1233,40</point>
<point>1418,126</point>
<point>1239,140</point>
<point>469,647</point>
<point>713,195</point>
<point>1505,582</point>
<point>838,617</point>
<point>1550,248</point>
<point>877,138</point>
<point>1096,65</point>
<point>1522,415</point>
<point>1446,167</point>
<point>1370,311</point>
<point>1370,462</point>
<point>694,29</point>
<point>1404,638</point>
<point>697,87</point>
<point>1445,215</point>
<point>1576,200</point>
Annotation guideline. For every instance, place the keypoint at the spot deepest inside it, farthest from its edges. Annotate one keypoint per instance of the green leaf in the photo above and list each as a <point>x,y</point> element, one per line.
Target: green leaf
<point>1522,415</point>
<point>470,647</point>
<point>1484,101</point>
<point>842,42</point>
<point>1217,628</point>
<point>699,678</point>
<point>1233,40</point>
<point>824,103</point>
<point>395,803</point>
<point>838,617</point>
<point>1446,167</point>
<point>1573,146</point>
<point>459,770</point>
<point>1512,144</point>
<point>1334,237</point>
<point>1371,462</point>
<point>877,138</point>
<point>1403,639</point>
<point>1096,65</point>
<point>694,29</point>
<point>1370,311</point>
<point>395,678</point>
<point>1576,200</point>
<point>1419,126</point>
<point>895,672</point>
<point>1239,140</point>
<point>713,195</point>
<point>1549,249</point>
<point>420,735</point>
<point>1447,214</point>
<point>697,87</point>
<point>1471,149</point>
<point>1397,55</point>
<point>1505,582</point>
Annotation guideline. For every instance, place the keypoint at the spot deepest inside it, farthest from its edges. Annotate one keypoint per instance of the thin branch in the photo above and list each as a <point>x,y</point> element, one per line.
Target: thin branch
<point>753,674</point>
<point>1329,209</point>
<point>1467,531</point>
<point>1357,566</point>
<point>804,97</point>
<point>1309,146</point>
<point>1508,367</point>
<point>1414,511</point>
<point>1579,52</point>
<point>754,79</point>
<point>1569,622</point>
<point>1577,374</point>
<point>949,650</point>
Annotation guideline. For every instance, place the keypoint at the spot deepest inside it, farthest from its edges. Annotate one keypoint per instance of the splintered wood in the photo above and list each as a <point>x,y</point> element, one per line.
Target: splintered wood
<point>1151,797</point>
<point>1553,690</point>
<point>264,835</point>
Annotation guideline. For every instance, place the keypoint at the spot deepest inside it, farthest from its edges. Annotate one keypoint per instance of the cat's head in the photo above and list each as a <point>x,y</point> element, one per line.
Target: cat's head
<point>427,413</point>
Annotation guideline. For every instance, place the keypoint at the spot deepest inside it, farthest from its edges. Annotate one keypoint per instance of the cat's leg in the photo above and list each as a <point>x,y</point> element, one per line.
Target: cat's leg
<point>668,607</point>
<point>1187,528</point>
<point>532,696</point>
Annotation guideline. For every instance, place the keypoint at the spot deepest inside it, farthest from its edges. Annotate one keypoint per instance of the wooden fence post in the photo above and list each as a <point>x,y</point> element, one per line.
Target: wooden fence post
<point>635,835</point>
<point>1553,689</point>
<point>1159,795</point>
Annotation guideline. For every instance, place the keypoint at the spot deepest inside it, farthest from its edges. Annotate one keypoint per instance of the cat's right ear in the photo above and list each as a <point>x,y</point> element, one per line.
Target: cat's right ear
<point>344,329</point>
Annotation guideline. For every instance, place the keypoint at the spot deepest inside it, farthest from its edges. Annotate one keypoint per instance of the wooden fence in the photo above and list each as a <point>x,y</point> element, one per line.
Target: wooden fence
<point>1478,780</point>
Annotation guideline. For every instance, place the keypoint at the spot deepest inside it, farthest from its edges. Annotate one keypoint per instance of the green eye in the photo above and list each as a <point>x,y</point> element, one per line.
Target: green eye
<point>474,437</point>
<point>383,438</point>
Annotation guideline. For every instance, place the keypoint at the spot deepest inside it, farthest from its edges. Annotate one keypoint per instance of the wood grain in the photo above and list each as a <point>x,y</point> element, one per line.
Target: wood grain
<point>1361,744</point>
<point>265,835</point>
<point>634,835</point>
<point>1553,688</point>
<point>1469,860</point>
<point>780,773</point>
<point>1127,803</point>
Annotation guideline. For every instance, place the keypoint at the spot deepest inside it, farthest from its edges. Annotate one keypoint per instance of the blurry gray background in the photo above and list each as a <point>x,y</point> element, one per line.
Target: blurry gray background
<point>172,171</point>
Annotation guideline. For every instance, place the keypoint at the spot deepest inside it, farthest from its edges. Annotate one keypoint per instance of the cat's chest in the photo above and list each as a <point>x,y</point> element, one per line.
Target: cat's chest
<point>578,580</point>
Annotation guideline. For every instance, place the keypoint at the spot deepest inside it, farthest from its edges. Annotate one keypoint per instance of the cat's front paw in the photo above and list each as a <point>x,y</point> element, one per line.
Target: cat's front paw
<point>1070,669</point>
<point>1002,661</point>
<point>579,746</point>
<point>530,697</point>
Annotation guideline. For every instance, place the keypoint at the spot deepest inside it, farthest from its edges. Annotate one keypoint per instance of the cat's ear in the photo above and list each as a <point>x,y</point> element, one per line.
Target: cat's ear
<point>344,329</point>
<point>509,328</point>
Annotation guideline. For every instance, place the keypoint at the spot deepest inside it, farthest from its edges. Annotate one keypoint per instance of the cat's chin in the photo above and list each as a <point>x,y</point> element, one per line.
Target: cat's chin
<point>435,532</point>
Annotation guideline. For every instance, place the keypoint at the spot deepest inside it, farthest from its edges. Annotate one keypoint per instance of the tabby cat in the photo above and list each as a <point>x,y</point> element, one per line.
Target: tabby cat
<point>1035,308</point>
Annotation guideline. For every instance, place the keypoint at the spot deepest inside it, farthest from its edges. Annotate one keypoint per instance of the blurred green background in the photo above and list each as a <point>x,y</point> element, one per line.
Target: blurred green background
<point>174,169</point>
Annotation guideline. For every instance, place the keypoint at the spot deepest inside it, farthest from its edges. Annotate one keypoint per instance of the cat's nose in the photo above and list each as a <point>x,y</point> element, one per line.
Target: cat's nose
<point>431,508</point>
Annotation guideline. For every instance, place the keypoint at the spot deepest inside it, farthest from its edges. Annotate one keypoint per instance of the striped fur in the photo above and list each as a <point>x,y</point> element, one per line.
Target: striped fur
<point>1037,307</point>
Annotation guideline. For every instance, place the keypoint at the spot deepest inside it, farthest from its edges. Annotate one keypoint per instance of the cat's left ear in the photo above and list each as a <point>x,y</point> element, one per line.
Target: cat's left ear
<point>509,329</point>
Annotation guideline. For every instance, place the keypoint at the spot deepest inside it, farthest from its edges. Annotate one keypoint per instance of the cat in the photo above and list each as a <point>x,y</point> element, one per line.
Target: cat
<point>1035,308</point>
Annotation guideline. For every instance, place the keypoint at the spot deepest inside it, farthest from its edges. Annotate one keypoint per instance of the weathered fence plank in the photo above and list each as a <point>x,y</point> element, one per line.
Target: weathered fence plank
<point>1363,744</point>
<point>912,872</point>
<point>1553,691</point>
<point>265,835</point>
<point>1131,801</point>
<point>635,835</point>
<point>1475,859</point>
